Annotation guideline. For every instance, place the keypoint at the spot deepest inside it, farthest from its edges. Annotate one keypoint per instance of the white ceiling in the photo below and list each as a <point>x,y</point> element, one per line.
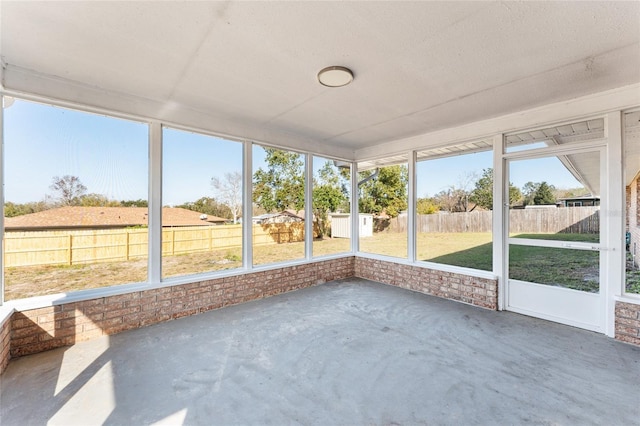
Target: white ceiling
<point>249,68</point>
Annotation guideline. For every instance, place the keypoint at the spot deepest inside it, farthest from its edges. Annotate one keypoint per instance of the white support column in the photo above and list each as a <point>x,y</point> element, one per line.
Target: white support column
<point>308,206</point>
<point>613,192</point>
<point>247,205</point>
<point>411,209</point>
<point>355,217</point>
<point>500,216</point>
<point>2,198</point>
<point>154,273</point>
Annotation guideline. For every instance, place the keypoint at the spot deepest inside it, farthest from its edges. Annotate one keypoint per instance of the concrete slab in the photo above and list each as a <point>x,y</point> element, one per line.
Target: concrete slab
<point>348,352</point>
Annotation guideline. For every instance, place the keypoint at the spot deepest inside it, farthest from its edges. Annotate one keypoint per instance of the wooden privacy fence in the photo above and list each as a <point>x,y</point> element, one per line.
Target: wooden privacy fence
<point>72,247</point>
<point>578,220</point>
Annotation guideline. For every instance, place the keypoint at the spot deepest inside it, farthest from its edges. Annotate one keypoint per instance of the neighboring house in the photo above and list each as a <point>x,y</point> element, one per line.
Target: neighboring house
<point>106,217</point>
<point>583,201</point>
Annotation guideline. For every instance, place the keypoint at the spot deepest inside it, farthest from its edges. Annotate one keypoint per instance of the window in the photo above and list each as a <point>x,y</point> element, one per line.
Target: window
<point>331,207</point>
<point>631,142</point>
<point>382,201</point>
<point>202,203</point>
<point>75,200</point>
<point>454,206</point>
<point>278,205</point>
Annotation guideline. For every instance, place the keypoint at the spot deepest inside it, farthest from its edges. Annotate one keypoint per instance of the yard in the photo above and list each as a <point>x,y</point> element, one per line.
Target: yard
<point>569,268</point>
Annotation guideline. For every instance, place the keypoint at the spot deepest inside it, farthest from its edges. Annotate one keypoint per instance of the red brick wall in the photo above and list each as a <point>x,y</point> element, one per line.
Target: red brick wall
<point>475,291</point>
<point>628,322</point>
<point>5,337</point>
<point>42,329</point>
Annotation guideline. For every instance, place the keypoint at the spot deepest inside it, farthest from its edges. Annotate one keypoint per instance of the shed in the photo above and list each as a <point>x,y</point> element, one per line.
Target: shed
<point>341,225</point>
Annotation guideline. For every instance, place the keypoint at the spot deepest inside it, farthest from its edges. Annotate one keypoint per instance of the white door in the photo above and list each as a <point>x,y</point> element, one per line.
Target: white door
<point>553,246</point>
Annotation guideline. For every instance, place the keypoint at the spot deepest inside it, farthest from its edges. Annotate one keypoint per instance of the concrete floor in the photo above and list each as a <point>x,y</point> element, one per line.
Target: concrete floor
<point>349,352</point>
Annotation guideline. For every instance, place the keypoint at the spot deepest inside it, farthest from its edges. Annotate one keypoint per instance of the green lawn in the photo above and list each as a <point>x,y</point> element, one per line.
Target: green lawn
<point>569,268</point>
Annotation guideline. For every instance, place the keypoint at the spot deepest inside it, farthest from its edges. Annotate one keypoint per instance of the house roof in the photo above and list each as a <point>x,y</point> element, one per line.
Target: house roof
<point>106,217</point>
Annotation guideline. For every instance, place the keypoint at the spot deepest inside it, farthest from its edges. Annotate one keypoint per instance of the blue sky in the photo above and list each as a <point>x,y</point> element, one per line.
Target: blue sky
<point>110,157</point>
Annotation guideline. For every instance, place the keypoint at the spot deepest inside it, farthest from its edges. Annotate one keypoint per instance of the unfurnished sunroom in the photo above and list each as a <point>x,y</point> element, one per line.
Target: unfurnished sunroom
<point>164,159</point>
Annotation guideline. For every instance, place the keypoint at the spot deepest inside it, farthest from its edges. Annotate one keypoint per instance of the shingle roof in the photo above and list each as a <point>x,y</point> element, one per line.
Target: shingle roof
<point>98,217</point>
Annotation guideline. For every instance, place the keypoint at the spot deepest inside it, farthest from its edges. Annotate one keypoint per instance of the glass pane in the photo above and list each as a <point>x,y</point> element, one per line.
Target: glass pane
<point>574,269</point>
<point>278,205</point>
<point>383,210</point>
<point>454,217</point>
<point>75,200</point>
<point>202,203</point>
<point>632,190</point>
<point>331,217</point>
<point>559,197</point>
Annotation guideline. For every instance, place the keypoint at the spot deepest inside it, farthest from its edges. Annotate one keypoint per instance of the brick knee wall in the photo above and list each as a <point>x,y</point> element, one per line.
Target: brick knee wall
<point>464,288</point>
<point>5,343</point>
<point>47,328</point>
<point>628,322</point>
<point>37,330</point>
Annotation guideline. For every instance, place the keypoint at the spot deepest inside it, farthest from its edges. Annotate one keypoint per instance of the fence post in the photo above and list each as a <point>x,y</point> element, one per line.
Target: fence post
<point>126,256</point>
<point>173,242</point>
<point>70,256</point>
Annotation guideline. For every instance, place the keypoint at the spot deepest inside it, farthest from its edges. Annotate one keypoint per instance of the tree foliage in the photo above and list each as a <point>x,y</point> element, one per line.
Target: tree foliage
<point>544,194</point>
<point>328,195</point>
<point>281,185</point>
<point>229,191</point>
<point>68,189</point>
<point>14,209</point>
<point>210,206</point>
<point>453,200</point>
<point>387,192</point>
<point>426,206</point>
<point>538,193</point>
<point>96,200</point>
<point>482,195</point>
<point>134,203</point>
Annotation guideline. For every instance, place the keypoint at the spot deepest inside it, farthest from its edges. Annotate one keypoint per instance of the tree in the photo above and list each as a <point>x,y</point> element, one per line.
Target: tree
<point>452,200</point>
<point>328,195</point>
<point>68,188</point>
<point>13,209</point>
<point>426,206</point>
<point>538,193</point>
<point>544,194</point>
<point>208,205</point>
<point>281,185</point>
<point>229,191</point>
<point>134,203</point>
<point>482,195</point>
<point>96,200</point>
<point>387,192</point>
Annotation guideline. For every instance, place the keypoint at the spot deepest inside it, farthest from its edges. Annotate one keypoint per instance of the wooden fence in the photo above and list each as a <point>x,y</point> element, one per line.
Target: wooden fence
<point>72,247</point>
<point>579,220</point>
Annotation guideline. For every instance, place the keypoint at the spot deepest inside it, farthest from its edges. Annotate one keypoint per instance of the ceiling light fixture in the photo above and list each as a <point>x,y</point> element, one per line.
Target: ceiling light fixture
<point>335,76</point>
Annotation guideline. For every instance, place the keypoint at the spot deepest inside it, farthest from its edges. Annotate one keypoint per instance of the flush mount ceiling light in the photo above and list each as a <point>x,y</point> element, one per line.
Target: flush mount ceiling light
<point>335,76</point>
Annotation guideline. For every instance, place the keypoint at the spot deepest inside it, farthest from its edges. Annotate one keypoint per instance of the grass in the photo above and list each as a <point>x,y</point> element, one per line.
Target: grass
<point>633,276</point>
<point>576,269</point>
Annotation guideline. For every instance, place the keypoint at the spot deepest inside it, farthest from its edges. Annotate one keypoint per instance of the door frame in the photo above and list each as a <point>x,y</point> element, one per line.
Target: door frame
<point>597,302</point>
